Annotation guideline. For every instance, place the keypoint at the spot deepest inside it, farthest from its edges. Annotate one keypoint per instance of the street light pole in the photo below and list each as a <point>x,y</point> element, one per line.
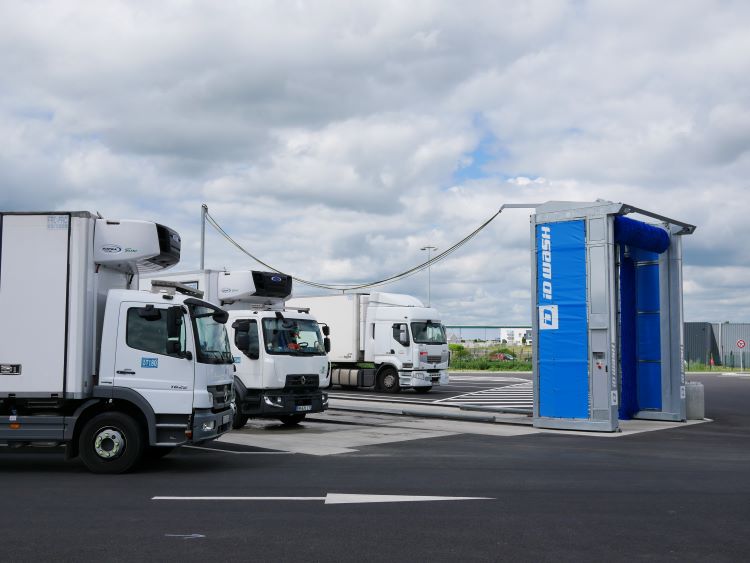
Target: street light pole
<point>429,249</point>
<point>204,211</point>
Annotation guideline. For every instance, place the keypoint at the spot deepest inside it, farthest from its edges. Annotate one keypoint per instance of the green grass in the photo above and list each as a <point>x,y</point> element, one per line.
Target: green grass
<point>485,364</point>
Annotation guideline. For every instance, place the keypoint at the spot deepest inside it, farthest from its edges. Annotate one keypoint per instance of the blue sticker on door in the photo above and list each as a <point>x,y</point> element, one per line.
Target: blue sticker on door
<point>563,324</point>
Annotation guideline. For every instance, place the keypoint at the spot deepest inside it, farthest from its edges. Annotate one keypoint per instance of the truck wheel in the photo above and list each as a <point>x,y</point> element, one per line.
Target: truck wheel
<point>111,442</point>
<point>239,420</point>
<point>292,419</point>
<point>388,380</point>
<point>422,389</point>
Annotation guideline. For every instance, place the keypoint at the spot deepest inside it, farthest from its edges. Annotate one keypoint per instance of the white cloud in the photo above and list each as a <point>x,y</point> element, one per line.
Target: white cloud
<point>335,140</point>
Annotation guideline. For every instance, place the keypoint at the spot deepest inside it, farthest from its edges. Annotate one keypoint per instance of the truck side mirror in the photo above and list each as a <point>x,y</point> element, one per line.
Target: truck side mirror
<point>400,334</point>
<point>326,330</point>
<point>241,325</point>
<point>327,344</point>
<point>242,334</point>
<point>149,313</point>
<point>174,322</point>
<point>174,332</point>
<point>242,339</point>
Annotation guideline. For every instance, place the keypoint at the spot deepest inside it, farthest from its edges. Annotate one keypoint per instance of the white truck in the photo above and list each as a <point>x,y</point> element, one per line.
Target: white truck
<point>279,353</point>
<point>111,372</point>
<point>403,339</point>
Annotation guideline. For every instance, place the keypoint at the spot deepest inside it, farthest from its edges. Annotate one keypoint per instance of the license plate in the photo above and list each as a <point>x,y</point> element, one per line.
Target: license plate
<point>226,418</point>
<point>304,408</point>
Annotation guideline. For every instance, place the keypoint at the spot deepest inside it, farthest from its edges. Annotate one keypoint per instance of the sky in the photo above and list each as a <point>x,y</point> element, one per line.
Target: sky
<point>334,140</point>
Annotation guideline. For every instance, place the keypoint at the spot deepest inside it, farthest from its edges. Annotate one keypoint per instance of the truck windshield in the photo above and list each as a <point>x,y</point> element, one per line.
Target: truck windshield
<point>211,343</point>
<point>428,333</point>
<point>295,337</point>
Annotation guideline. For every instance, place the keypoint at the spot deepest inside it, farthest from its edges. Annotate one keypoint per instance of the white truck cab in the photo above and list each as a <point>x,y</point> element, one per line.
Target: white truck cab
<point>279,353</point>
<point>398,336</point>
<point>404,334</point>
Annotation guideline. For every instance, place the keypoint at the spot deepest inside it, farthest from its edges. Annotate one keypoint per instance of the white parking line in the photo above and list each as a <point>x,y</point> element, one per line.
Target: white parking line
<point>518,395</point>
<point>233,452</point>
<point>336,498</point>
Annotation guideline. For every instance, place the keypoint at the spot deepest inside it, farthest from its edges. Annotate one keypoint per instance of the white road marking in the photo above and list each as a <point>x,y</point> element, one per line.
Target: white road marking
<point>335,498</point>
<point>185,536</point>
<point>488,379</point>
<point>377,398</point>
<point>520,395</point>
<point>324,438</point>
<point>233,452</point>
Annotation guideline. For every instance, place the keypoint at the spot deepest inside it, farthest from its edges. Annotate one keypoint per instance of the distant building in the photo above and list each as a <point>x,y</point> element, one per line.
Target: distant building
<point>512,335</point>
<point>720,342</point>
<point>516,335</point>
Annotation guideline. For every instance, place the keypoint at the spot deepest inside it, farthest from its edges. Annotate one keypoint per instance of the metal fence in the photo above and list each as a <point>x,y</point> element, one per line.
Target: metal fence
<point>707,345</point>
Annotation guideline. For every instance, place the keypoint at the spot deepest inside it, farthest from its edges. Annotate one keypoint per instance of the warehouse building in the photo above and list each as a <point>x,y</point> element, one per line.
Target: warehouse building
<point>724,343</point>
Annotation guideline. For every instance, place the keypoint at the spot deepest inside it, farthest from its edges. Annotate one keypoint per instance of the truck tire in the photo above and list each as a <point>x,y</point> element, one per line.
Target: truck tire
<point>239,420</point>
<point>388,380</point>
<point>292,419</point>
<point>422,389</point>
<point>111,442</point>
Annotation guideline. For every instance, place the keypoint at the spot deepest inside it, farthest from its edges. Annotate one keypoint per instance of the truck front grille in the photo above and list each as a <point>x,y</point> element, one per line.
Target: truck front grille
<point>222,394</point>
<point>434,359</point>
<point>302,382</point>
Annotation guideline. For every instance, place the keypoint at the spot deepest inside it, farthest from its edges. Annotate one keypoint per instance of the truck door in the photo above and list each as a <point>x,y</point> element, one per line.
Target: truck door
<point>154,358</point>
<point>400,340</point>
<point>389,342</point>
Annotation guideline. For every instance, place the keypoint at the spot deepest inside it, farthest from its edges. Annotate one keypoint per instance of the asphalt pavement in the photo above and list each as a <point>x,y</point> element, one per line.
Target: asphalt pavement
<point>673,495</point>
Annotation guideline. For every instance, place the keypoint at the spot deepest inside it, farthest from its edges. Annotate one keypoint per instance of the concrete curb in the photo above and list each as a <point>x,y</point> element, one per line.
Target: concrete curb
<point>434,413</point>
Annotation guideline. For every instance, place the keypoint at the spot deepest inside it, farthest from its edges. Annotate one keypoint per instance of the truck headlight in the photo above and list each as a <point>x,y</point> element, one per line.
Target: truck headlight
<point>209,425</point>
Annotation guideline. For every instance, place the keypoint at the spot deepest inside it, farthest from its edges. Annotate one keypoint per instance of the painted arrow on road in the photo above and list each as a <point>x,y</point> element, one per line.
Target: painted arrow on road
<point>334,498</point>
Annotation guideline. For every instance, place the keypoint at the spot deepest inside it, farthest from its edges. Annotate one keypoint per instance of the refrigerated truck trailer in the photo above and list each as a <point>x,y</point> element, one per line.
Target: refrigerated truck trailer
<point>279,353</point>
<point>86,361</point>
<point>404,340</point>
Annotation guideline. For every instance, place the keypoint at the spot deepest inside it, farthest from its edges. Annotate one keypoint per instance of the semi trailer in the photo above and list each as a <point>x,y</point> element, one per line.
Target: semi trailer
<point>279,352</point>
<point>89,362</point>
<point>389,341</point>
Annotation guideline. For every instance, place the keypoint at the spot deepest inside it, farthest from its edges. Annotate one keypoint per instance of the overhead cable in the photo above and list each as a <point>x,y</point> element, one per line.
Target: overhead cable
<point>351,287</point>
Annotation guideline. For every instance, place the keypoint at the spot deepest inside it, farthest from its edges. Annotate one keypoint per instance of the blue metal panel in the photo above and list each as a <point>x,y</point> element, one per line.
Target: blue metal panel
<point>563,332</point>
<point>649,345</point>
<point>649,385</point>
<point>649,336</point>
<point>648,288</point>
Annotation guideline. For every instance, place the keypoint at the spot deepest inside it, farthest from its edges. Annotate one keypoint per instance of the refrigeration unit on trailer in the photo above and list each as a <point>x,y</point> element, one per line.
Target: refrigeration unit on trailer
<point>111,372</point>
<point>398,336</point>
<point>607,315</point>
<point>279,352</point>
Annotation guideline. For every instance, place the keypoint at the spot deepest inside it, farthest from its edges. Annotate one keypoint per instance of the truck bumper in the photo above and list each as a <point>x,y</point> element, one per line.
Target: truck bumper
<point>423,378</point>
<point>270,403</point>
<point>209,425</point>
